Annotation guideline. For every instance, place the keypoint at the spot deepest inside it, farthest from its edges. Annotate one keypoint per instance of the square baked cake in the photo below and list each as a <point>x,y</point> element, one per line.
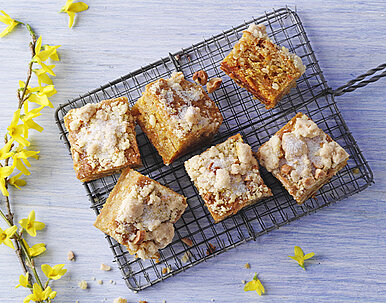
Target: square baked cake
<point>139,214</point>
<point>176,115</point>
<point>227,177</point>
<point>102,138</point>
<point>265,70</point>
<point>302,157</point>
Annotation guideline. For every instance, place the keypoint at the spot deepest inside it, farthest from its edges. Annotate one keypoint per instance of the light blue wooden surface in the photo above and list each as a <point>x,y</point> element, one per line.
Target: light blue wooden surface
<point>116,37</point>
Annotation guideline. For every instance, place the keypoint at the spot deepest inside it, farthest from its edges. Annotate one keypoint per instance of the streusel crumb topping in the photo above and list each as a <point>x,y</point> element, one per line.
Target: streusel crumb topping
<point>146,216</point>
<point>226,172</point>
<point>178,97</point>
<point>303,154</point>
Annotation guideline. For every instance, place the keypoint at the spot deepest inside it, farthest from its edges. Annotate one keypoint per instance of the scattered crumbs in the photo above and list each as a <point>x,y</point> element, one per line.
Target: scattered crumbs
<point>212,300</point>
<point>111,282</point>
<point>355,170</point>
<point>187,241</point>
<point>120,300</point>
<point>83,284</point>
<point>164,270</point>
<point>185,258</point>
<point>243,281</point>
<point>76,301</point>
<point>71,255</point>
<point>247,265</point>
<point>93,278</point>
<point>142,302</point>
<point>163,301</point>
<point>105,267</point>
<point>211,249</point>
<point>100,282</point>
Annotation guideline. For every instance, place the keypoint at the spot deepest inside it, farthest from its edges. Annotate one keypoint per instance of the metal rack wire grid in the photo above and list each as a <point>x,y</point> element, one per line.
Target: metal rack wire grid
<point>242,114</point>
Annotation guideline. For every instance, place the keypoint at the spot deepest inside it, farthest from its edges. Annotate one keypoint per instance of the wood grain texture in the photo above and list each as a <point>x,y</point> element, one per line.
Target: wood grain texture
<point>115,37</point>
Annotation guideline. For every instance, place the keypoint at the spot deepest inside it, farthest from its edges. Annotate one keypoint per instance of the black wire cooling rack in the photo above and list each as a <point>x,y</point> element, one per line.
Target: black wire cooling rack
<point>242,114</point>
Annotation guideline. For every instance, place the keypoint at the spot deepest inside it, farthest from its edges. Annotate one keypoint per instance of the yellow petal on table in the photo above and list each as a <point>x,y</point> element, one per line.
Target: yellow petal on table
<point>78,7</point>
<point>71,9</point>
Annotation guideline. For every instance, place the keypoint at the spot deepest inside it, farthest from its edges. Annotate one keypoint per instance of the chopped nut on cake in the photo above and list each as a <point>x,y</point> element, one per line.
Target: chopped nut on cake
<point>258,65</point>
<point>302,157</point>
<point>227,177</point>
<point>139,213</point>
<point>176,115</point>
<point>102,138</point>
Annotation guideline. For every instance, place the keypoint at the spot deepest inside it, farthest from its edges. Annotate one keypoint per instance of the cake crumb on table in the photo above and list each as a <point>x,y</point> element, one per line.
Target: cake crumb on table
<point>83,284</point>
<point>100,282</point>
<point>71,256</point>
<point>105,267</point>
<point>247,265</point>
<point>120,300</point>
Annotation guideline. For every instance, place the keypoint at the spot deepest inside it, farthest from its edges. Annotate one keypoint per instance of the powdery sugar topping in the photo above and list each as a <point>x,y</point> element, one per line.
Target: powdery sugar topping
<point>178,101</point>
<point>101,133</point>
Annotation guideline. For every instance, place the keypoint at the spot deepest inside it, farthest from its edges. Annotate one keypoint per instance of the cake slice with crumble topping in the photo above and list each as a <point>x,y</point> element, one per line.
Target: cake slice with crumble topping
<point>102,138</point>
<point>302,157</point>
<point>176,115</point>
<point>227,177</point>
<point>261,67</point>
<point>139,214</point>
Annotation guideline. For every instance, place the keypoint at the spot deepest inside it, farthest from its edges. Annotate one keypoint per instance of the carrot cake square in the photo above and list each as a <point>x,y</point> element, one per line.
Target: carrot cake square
<point>227,177</point>
<point>176,115</point>
<point>102,138</point>
<point>302,157</point>
<point>261,67</point>
<point>139,214</point>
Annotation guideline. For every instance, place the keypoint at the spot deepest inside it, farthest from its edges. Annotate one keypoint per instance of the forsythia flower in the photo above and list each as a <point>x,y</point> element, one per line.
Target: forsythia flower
<point>17,131</point>
<point>300,257</point>
<point>5,172</point>
<point>51,49</point>
<point>71,8</point>
<point>255,285</point>
<point>41,97</point>
<point>42,76</point>
<point>20,158</point>
<point>23,281</point>
<point>36,249</point>
<point>6,235</point>
<point>43,53</point>
<point>5,150</point>
<point>30,225</point>
<point>29,115</point>
<point>15,181</point>
<point>9,21</point>
<point>54,273</point>
<point>39,295</point>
